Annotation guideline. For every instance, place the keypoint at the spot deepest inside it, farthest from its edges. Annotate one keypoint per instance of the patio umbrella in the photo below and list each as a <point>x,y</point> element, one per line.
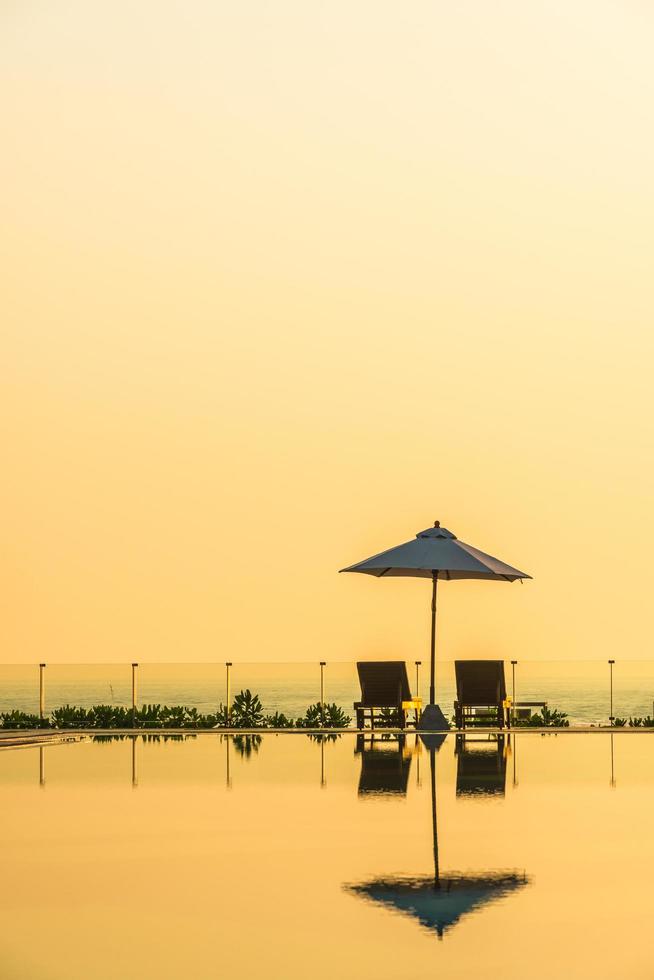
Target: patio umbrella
<point>437,554</point>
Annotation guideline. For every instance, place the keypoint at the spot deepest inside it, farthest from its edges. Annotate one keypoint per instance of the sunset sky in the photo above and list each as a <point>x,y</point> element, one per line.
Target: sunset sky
<point>285,282</point>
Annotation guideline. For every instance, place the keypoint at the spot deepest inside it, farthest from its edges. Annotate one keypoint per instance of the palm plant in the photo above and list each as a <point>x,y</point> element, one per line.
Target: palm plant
<point>247,710</point>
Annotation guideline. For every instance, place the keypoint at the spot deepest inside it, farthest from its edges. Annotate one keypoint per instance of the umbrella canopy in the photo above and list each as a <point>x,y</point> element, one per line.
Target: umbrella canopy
<point>438,908</point>
<point>436,553</point>
<point>437,550</point>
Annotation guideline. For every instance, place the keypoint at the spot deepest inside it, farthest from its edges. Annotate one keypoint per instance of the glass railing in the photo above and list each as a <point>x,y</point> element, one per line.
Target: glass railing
<point>588,692</point>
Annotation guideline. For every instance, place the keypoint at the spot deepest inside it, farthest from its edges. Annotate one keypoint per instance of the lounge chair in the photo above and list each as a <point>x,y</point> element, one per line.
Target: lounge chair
<point>480,693</point>
<point>385,765</point>
<point>480,765</point>
<point>384,684</point>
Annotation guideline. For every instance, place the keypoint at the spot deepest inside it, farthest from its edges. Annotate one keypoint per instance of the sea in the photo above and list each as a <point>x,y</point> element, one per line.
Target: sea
<point>589,692</point>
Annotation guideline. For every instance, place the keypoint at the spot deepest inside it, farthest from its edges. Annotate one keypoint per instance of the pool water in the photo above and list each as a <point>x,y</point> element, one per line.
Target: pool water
<point>285,856</point>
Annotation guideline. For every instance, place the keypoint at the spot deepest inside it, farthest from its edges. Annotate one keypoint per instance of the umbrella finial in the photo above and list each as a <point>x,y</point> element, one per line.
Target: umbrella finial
<point>437,523</point>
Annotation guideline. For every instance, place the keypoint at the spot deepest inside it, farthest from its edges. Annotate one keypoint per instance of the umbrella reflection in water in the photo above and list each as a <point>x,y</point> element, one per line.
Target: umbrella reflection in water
<point>439,900</point>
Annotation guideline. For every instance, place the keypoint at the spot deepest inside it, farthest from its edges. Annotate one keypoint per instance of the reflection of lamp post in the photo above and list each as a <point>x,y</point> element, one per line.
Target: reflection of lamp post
<point>611,662</point>
<point>229,778</point>
<point>41,766</point>
<point>323,781</point>
<point>135,775</point>
<point>41,690</point>
<point>612,771</point>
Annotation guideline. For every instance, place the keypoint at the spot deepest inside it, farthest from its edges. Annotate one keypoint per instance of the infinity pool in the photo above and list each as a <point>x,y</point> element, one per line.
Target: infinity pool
<point>285,856</point>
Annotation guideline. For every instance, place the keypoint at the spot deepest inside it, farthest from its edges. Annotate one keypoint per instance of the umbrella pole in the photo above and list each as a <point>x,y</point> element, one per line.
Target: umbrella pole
<point>432,684</point>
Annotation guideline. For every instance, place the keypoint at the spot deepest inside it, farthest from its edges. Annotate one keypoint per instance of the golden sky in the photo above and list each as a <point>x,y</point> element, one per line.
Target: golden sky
<point>285,282</point>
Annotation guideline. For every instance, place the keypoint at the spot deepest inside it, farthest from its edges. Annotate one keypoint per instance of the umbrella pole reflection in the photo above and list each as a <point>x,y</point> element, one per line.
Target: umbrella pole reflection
<point>434,825</point>
<point>438,901</point>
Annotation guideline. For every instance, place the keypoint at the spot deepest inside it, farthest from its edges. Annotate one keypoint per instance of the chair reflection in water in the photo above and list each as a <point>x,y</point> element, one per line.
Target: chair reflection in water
<point>385,764</point>
<point>481,764</point>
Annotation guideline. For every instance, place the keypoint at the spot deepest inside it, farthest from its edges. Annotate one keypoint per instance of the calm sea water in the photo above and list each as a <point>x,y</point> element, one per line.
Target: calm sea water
<point>581,689</point>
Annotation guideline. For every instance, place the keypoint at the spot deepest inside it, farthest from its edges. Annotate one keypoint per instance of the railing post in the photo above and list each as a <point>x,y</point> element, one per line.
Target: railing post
<point>228,698</point>
<point>134,693</point>
<point>611,717</point>
<point>41,690</point>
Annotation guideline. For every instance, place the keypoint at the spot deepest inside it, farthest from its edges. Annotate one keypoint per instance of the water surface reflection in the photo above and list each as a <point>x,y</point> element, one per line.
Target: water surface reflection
<point>171,852</point>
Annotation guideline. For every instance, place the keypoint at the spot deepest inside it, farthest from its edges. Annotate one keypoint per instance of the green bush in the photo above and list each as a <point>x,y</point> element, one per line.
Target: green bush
<point>278,720</point>
<point>619,722</point>
<point>645,722</point>
<point>548,718</point>
<point>70,716</point>
<point>324,716</point>
<point>22,720</point>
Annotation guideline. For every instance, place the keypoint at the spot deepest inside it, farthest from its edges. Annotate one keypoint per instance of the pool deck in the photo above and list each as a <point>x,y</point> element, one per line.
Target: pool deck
<point>11,739</point>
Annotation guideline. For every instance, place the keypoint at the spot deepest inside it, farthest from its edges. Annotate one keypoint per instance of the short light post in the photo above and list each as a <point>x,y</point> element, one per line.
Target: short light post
<point>228,697</point>
<point>513,666</point>
<point>134,692</point>
<point>323,664</point>
<point>42,691</point>
<point>611,717</point>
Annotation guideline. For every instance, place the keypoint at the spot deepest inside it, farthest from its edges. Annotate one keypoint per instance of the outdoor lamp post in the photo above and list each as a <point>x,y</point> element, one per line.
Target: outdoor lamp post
<point>611,718</point>
<point>228,699</point>
<point>41,690</point>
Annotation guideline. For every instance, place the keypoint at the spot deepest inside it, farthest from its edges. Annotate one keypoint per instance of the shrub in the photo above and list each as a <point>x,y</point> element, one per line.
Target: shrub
<point>22,720</point>
<point>70,716</point>
<point>619,722</point>
<point>388,718</point>
<point>548,718</point>
<point>324,716</point>
<point>278,720</point>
